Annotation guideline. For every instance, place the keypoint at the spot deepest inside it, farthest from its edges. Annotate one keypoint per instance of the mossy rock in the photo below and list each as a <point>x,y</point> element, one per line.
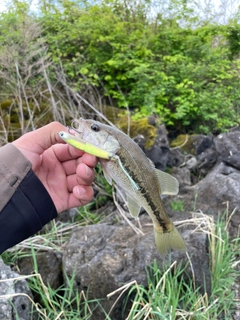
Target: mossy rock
<point>6,104</point>
<point>140,126</point>
<point>11,114</point>
<point>186,142</point>
<point>113,114</point>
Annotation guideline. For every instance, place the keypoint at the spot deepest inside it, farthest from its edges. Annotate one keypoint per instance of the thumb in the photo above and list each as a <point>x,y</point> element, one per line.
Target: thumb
<point>42,138</point>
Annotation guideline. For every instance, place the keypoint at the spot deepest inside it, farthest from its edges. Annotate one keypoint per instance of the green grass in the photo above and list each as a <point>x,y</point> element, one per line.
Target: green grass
<point>167,296</point>
<point>93,212</point>
<point>62,303</point>
<point>177,205</point>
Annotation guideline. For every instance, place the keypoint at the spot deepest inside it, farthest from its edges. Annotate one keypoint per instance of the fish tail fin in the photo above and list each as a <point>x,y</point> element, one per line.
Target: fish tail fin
<point>167,240</point>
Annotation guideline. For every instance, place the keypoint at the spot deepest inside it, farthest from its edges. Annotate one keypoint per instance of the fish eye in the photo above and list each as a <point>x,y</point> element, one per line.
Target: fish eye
<point>95,127</point>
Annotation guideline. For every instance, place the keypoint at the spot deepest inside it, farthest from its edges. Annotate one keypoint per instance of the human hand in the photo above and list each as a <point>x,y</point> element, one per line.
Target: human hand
<point>66,172</point>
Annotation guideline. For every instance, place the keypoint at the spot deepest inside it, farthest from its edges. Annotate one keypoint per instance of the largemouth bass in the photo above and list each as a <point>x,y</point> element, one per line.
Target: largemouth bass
<point>129,167</point>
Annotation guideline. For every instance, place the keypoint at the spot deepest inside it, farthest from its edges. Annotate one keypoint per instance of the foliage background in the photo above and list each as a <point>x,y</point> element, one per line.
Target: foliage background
<point>166,58</point>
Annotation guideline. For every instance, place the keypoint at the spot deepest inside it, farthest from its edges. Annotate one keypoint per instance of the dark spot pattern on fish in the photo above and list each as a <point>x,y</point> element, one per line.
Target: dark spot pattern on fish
<point>155,210</point>
<point>144,192</point>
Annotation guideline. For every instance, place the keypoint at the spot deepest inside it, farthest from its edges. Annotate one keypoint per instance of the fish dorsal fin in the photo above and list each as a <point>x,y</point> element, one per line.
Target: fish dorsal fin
<point>107,176</point>
<point>168,184</point>
<point>133,207</point>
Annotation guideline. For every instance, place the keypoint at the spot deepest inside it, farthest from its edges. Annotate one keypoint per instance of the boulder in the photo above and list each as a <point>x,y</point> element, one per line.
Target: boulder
<point>193,144</point>
<point>183,175</point>
<point>196,152</point>
<point>228,147</point>
<point>202,143</point>
<point>206,160</point>
<point>18,306</point>
<point>49,266</point>
<point>104,257</point>
<point>175,157</point>
<point>219,192</point>
<point>159,152</point>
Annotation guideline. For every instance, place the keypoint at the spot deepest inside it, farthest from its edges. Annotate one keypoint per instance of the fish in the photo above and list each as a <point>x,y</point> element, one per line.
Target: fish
<point>129,168</point>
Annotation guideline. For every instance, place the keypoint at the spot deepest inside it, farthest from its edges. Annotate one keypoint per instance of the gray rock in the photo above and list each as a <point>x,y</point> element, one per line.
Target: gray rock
<point>140,140</point>
<point>183,176</point>
<point>175,158</point>
<point>159,152</point>
<point>228,146</point>
<point>202,143</point>
<point>206,160</point>
<point>159,155</point>
<point>16,307</point>
<point>219,192</point>
<point>49,266</point>
<point>104,257</point>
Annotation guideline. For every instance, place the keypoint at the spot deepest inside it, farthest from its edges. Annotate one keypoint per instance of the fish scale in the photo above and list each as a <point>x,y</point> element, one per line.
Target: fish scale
<point>148,183</point>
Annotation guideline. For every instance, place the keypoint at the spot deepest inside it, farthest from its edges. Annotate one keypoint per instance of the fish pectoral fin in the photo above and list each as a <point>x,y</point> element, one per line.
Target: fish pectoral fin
<point>133,207</point>
<point>168,184</point>
<point>107,176</point>
<point>133,183</point>
<point>112,154</point>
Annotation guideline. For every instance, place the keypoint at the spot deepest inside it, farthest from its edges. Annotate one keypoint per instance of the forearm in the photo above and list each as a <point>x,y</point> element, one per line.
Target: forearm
<point>13,169</point>
<point>25,205</point>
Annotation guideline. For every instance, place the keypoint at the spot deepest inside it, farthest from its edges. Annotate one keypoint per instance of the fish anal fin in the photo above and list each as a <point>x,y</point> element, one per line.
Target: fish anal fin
<point>169,240</point>
<point>133,207</point>
<point>168,184</point>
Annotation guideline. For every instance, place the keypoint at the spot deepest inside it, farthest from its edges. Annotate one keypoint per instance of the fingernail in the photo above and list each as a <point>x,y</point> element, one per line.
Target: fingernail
<point>88,171</point>
<point>80,191</point>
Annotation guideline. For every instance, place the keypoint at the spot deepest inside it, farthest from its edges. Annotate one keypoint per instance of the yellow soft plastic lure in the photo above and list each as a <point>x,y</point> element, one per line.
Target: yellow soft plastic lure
<point>84,146</point>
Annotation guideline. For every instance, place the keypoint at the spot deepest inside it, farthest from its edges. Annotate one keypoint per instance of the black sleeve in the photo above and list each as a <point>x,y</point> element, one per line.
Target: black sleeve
<point>28,210</point>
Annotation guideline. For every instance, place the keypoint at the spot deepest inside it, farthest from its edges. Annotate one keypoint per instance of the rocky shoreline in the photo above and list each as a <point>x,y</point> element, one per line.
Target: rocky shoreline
<point>107,255</point>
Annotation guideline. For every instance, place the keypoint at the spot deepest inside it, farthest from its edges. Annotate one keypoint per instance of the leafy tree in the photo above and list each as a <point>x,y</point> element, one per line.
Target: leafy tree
<point>170,62</point>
